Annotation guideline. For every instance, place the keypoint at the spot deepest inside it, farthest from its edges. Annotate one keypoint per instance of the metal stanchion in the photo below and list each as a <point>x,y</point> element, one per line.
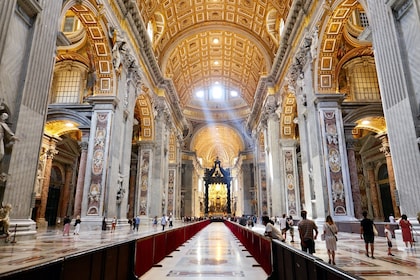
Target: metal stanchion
<point>14,235</point>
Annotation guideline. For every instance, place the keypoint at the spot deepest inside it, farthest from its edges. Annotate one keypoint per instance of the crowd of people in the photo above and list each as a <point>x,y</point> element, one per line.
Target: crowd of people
<point>277,228</point>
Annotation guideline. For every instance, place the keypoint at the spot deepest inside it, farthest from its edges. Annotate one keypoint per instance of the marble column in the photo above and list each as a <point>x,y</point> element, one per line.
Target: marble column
<point>27,45</point>
<point>393,188</point>
<point>65,193</point>
<point>6,11</point>
<point>354,178</point>
<point>373,191</point>
<point>395,28</point>
<point>132,187</point>
<point>100,184</point>
<point>144,180</point>
<point>276,194</point>
<point>159,162</point>
<point>338,187</point>
<point>50,153</point>
<point>290,175</point>
<point>80,179</point>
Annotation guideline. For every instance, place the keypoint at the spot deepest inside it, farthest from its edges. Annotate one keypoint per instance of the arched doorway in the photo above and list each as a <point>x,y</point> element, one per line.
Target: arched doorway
<point>54,190</point>
<point>385,191</point>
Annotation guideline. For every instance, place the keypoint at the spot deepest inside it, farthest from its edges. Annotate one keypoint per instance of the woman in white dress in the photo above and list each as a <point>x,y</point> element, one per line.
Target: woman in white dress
<point>330,231</point>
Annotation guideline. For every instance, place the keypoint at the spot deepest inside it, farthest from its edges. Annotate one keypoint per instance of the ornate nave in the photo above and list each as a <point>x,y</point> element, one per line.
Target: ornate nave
<point>119,108</point>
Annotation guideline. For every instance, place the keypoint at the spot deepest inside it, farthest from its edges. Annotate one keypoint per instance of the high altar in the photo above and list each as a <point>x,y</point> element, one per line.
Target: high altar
<point>217,191</point>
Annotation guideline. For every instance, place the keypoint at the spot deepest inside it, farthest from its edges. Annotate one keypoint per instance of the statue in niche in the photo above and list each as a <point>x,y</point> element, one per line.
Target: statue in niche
<point>4,218</point>
<point>314,44</point>
<point>7,137</point>
<point>38,181</point>
<point>117,46</point>
<point>91,75</point>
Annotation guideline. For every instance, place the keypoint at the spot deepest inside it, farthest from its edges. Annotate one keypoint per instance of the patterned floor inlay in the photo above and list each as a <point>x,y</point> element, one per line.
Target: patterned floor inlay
<point>26,260</point>
<point>352,262</point>
<point>173,273</point>
<point>207,261</point>
<point>391,273</point>
<point>195,251</point>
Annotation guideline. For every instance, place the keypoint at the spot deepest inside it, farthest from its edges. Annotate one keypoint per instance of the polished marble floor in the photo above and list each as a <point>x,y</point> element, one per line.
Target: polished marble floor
<point>213,253</point>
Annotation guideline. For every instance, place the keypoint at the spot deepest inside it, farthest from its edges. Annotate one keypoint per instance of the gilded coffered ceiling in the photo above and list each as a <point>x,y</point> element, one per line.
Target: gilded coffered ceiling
<point>228,44</point>
<point>218,141</point>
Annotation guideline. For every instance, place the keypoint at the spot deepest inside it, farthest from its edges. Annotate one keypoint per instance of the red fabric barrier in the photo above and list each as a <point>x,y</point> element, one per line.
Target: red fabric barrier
<point>160,247</point>
<point>152,249</point>
<point>257,245</point>
<point>265,255</point>
<point>144,253</point>
<point>171,244</point>
<point>180,237</point>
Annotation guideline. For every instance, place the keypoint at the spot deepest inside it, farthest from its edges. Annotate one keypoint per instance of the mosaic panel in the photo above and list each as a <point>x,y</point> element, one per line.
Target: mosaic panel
<point>96,184</point>
<point>334,161</point>
<point>95,32</point>
<point>104,67</point>
<point>144,181</point>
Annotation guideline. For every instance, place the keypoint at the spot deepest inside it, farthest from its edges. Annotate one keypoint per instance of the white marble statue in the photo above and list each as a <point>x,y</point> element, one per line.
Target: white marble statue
<point>7,137</point>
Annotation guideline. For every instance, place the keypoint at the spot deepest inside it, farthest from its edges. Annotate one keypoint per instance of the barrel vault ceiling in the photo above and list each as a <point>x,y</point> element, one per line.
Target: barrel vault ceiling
<point>200,44</point>
<point>215,52</point>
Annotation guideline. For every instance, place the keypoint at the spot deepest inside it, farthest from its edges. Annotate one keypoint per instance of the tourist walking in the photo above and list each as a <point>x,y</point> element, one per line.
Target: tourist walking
<point>170,219</point>
<point>388,236</point>
<point>406,228</point>
<point>77,225</point>
<point>307,228</point>
<point>137,223</point>
<point>113,224</point>
<point>163,222</point>
<point>291,228</point>
<point>66,223</point>
<point>154,222</point>
<point>284,226</point>
<point>366,233</point>
<point>330,231</point>
<point>104,223</point>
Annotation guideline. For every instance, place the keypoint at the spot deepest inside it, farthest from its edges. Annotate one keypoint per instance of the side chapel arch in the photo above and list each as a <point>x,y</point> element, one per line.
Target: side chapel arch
<point>338,39</point>
<point>98,49</point>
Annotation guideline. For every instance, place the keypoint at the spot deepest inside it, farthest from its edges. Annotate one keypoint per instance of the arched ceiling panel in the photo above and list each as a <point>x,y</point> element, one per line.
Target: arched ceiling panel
<point>215,141</point>
<point>204,42</point>
<point>198,62</point>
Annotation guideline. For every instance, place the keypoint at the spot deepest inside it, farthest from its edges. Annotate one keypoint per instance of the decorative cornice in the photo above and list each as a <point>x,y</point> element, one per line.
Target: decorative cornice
<point>399,7</point>
<point>297,11</point>
<point>130,10</point>
<point>30,7</point>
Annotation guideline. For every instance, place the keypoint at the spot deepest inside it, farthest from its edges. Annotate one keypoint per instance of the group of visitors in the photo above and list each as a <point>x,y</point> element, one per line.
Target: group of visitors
<point>67,223</point>
<point>308,233</point>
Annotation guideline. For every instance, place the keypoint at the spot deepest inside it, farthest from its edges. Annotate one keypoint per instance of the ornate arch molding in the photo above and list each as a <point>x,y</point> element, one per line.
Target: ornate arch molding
<point>64,121</point>
<point>67,114</point>
<point>226,143</point>
<point>144,114</point>
<point>261,46</point>
<point>289,112</point>
<point>356,52</point>
<point>369,118</point>
<point>333,53</point>
<point>374,110</point>
<point>89,14</point>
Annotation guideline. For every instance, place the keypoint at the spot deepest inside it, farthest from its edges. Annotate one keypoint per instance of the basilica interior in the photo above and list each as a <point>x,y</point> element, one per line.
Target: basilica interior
<point>208,108</point>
